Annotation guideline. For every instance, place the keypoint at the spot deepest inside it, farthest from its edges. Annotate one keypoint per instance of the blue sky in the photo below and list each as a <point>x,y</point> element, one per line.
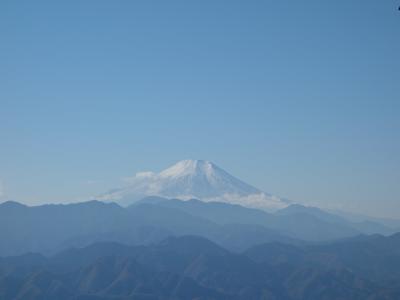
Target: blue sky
<point>299,98</point>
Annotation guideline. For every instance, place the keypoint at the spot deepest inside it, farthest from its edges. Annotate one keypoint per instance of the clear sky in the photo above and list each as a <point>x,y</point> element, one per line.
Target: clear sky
<point>299,98</point>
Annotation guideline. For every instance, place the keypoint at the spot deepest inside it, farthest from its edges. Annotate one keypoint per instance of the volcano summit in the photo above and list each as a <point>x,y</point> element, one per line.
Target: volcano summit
<point>199,179</point>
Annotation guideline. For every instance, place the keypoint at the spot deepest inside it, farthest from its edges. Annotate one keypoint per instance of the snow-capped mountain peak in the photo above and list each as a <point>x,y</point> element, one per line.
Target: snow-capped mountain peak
<point>188,167</point>
<point>199,179</point>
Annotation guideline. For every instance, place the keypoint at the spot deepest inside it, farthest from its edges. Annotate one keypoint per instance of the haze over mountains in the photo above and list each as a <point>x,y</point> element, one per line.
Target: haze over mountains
<point>194,268</point>
<point>194,179</point>
<point>234,242</point>
<point>51,228</point>
<point>160,248</point>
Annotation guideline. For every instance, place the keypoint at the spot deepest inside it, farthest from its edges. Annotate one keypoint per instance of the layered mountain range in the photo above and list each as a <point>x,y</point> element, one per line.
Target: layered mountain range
<point>50,228</point>
<point>190,267</point>
<point>157,242</point>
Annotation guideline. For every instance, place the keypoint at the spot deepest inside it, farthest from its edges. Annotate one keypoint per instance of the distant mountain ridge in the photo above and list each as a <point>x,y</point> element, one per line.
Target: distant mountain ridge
<point>160,248</point>
<point>51,228</point>
<point>194,179</point>
<point>192,267</point>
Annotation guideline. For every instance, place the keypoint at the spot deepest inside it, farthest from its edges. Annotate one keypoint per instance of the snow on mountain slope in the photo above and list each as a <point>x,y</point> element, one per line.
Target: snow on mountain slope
<point>197,179</point>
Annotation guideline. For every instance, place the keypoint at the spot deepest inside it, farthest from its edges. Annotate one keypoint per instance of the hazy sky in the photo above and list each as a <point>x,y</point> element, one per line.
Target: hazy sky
<point>299,98</point>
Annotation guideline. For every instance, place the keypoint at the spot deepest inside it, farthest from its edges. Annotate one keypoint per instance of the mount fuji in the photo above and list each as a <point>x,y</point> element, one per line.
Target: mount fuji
<point>194,179</point>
